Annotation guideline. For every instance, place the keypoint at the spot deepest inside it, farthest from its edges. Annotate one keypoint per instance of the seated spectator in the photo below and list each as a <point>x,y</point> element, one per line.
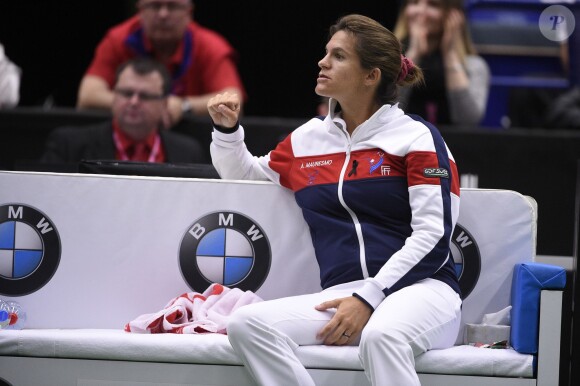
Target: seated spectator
<point>545,107</point>
<point>201,62</point>
<point>140,98</point>
<point>564,111</point>
<point>457,80</point>
<point>9,81</point>
<point>528,107</point>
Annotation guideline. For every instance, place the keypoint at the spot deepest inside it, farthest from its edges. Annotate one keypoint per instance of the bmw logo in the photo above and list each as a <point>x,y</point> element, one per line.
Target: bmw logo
<point>467,259</point>
<point>226,248</point>
<point>29,249</point>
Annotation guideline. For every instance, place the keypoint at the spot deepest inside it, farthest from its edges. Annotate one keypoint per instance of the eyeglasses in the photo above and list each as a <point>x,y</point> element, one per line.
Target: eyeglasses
<point>171,6</point>
<point>144,96</point>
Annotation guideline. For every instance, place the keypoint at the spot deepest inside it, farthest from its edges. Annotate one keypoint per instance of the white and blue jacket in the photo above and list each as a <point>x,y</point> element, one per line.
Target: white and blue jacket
<point>381,203</point>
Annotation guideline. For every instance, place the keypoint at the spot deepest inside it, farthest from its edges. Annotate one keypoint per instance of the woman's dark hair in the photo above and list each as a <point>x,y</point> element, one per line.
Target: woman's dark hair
<point>143,65</point>
<point>377,47</point>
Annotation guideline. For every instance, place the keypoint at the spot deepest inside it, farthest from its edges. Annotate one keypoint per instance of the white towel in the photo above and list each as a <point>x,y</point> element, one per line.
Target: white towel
<point>194,313</point>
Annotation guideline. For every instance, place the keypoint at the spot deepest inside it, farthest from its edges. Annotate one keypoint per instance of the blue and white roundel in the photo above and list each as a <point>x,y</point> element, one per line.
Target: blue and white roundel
<point>29,249</point>
<point>225,256</point>
<point>21,250</point>
<point>467,258</point>
<point>226,248</point>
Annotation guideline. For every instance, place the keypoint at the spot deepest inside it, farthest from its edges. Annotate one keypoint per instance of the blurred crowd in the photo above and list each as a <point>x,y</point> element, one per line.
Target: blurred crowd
<point>202,61</point>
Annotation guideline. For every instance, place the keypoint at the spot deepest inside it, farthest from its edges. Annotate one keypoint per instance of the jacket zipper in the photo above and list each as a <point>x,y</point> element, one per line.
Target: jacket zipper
<point>357,226</point>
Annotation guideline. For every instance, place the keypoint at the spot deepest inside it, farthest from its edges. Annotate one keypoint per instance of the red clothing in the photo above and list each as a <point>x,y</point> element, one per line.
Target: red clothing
<point>204,61</point>
<point>149,150</point>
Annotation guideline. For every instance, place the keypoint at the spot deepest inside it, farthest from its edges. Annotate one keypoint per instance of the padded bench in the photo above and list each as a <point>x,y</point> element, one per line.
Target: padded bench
<point>125,250</point>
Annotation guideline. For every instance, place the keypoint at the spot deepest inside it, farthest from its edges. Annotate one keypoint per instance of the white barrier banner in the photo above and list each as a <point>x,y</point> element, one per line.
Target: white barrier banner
<point>496,229</point>
<point>93,251</point>
<point>128,245</point>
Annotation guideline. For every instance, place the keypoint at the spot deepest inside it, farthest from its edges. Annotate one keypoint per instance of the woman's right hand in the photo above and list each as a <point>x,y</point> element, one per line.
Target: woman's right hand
<point>224,109</point>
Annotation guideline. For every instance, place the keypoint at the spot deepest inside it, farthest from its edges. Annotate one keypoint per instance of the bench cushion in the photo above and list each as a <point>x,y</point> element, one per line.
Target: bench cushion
<point>528,281</point>
<point>117,345</point>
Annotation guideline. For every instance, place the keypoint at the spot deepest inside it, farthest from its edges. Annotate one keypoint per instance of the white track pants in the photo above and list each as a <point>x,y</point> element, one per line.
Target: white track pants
<point>409,322</point>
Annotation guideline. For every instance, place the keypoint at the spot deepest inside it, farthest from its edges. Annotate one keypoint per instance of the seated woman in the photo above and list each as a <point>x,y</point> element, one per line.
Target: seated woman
<point>435,36</point>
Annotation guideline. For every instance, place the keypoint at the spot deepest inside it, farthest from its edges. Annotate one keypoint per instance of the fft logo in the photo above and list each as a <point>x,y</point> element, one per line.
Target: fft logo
<point>227,248</point>
<point>29,249</point>
<point>467,259</point>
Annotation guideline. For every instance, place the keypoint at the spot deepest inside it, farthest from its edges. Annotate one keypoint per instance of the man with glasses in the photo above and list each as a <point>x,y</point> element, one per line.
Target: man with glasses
<point>139,101</point>
<point>201,62</point>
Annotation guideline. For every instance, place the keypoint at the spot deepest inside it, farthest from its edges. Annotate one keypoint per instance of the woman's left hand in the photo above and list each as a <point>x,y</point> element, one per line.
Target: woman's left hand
<point>347,323</point>
<point>452,31</point>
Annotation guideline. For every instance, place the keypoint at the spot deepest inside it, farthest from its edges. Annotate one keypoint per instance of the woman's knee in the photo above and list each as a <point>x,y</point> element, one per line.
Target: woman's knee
<point>383,340</point>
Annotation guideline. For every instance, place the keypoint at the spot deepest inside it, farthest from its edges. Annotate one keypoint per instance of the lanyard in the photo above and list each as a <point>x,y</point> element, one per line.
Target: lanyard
<point>136,42</point>
<point>124,157</point>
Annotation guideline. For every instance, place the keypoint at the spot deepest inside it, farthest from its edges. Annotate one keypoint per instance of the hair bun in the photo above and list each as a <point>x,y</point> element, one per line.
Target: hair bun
<point>407,66</point>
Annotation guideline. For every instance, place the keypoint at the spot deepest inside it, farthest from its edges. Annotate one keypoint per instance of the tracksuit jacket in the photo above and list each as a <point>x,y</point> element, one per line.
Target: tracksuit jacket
<point>381,203</point>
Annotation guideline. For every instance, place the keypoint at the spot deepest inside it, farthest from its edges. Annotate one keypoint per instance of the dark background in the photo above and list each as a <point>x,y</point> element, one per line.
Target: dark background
<point>279,44</point>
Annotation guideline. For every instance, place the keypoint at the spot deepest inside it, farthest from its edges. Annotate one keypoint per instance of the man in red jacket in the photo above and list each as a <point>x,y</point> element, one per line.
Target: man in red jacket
<point>201,62</point>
